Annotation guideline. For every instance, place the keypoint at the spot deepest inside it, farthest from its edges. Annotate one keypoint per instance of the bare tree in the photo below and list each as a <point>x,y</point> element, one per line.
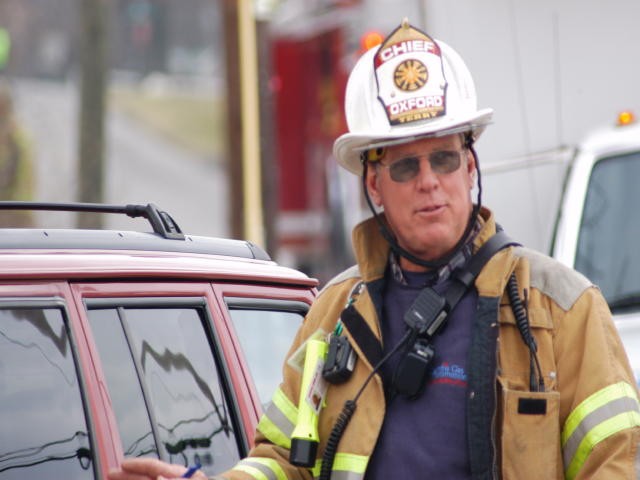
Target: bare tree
<point>93,46</point>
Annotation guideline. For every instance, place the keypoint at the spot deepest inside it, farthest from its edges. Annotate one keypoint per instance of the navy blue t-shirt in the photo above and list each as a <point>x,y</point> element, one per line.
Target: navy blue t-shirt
<point>425,437</point>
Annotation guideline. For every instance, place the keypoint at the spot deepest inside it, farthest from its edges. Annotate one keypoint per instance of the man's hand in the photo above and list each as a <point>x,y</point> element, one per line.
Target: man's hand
<point>150,468</point>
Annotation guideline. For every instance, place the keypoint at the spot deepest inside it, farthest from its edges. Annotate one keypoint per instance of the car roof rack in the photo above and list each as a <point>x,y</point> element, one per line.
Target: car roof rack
<point>164,227</point>
<point>160,221</point>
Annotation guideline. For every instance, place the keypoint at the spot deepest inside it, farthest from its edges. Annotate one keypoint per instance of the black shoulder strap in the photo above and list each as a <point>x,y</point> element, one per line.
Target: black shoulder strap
<point>463,278</point>
<point>362,334</point>
<point>359,329</point>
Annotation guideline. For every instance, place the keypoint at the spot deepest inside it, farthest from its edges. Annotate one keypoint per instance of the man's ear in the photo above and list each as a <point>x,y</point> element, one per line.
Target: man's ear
<point>371,182</point>
<point>471,168</point>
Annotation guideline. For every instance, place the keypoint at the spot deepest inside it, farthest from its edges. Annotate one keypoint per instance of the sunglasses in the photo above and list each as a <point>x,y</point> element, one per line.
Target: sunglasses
<point>407,168</point>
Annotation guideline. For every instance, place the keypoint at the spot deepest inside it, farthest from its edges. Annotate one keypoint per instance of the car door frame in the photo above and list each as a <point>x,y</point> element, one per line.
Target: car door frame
<point>232,368</point>
<point>57,293</point>
<point>284,294</point>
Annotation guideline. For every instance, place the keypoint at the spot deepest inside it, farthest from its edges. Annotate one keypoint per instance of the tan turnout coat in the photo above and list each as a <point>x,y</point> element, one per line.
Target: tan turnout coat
<point>590,428</point>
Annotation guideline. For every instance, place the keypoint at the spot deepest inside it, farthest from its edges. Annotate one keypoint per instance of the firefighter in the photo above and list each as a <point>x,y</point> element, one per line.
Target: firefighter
<point>5,48</point>
<point>453,352</point>
<point>16,169</point>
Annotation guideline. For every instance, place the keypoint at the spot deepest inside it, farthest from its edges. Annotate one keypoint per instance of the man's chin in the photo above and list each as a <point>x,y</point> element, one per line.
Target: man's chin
<point>429,255</point>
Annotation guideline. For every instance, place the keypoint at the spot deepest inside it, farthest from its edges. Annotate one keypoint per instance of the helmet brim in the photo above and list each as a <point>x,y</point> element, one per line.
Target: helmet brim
<point>348,147</point>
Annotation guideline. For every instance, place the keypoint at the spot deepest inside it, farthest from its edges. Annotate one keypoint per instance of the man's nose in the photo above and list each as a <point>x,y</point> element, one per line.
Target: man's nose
<point>426,178</point>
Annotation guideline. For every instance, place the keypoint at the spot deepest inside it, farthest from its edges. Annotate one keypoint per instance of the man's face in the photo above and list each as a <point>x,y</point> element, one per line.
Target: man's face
<point>429,212</point>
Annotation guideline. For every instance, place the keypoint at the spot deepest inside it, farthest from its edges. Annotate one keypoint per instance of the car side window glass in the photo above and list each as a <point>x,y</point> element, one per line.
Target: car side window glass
<point>124,388</point>
<point>265,335</point>
<point>44,431</point>
<point>182,387</point>
<point>607,258</point>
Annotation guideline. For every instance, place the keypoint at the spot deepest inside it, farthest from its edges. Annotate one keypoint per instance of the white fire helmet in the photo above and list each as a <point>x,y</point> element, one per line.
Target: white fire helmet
<point>409,87</point>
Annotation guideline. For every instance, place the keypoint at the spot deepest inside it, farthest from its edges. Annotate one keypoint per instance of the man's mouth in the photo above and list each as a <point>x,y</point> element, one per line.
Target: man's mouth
<point>430,208</point>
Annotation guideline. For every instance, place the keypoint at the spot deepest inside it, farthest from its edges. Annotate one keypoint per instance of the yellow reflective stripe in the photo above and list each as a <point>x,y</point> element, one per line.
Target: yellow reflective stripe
<point>595,401</point>
<point>254,472</point>
<point>278,421</point>
<point>351,462</point>
<point>345,462</point>
<point>285,405</point>
<point>605,413</point>
<point>271,431</point>
<point>262,468</point>
<point>596,435</point>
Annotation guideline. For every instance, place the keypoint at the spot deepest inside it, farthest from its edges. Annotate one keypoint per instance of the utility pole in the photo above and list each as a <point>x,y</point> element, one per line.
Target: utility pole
<point>234,121</point>
<point>244,121</point>
<point>268,128</point>
<point>92,107</point>
<point>250,105</point>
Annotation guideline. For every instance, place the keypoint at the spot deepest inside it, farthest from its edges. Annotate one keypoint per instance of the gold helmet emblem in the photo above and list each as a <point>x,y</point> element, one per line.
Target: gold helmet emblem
<point>410,75</point>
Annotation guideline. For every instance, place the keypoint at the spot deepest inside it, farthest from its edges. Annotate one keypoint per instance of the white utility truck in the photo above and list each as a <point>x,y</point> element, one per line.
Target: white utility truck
<point>598,223</point>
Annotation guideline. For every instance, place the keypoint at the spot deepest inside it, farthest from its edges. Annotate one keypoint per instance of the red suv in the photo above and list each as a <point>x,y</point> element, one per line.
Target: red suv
<point>118,343</point>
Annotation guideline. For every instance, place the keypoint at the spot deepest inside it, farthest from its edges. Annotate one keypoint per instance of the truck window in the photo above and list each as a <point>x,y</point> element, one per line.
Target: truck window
<point>44,431</point>
<point>172,377</point>
<point>607,251</point>
<point>265,329</point>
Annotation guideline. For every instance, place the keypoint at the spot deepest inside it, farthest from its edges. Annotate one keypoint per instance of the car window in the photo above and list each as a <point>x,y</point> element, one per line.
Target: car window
<point>265,330</point>
<point>607,250</point>
<point>125,390</point>
<point>43,431</point>
<point>169,349</point>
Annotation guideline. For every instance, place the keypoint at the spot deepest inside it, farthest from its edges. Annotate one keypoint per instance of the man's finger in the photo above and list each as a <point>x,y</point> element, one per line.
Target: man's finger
<point>146,468</point>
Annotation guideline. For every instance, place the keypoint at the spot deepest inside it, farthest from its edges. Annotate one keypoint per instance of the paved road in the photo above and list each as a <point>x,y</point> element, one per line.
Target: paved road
<point>141,166</point>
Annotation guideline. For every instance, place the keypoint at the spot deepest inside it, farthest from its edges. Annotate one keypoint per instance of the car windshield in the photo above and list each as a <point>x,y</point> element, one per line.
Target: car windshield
<point>607,251</point>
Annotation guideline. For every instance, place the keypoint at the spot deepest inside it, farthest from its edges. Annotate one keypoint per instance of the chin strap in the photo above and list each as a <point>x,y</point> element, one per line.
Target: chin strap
<point>390,238</point>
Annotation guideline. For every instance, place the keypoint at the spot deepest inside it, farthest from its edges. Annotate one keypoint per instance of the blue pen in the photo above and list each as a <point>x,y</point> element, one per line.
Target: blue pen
<point>191,470</point>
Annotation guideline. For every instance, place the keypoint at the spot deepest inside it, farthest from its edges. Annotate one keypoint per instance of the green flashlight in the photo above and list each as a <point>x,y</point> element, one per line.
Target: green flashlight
<point>304,439</point>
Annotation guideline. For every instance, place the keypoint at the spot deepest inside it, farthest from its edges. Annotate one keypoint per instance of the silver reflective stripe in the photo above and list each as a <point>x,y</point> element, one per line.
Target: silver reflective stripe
<point>279,419</point>
<point>346,475</point>
<point>266,471</point>
<point>592,420</point>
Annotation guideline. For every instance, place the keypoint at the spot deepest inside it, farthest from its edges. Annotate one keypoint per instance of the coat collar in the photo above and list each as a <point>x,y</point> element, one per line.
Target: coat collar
<point>372,250</point>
